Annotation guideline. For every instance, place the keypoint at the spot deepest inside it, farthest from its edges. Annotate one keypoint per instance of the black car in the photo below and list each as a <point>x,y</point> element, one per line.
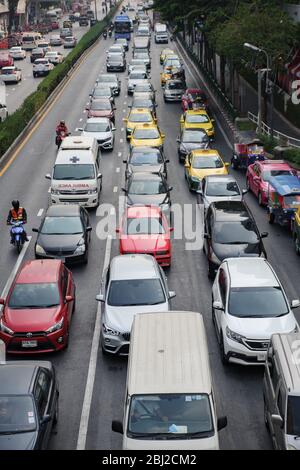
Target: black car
<point>83,21</point>
<point>64,233</point>
<point>146,159</point>
<point>110,80</point>
<point>230,231</point>
<point>37,53</point>
<point>28,404</point>
<point>191,139</point>
<point>115,63</point>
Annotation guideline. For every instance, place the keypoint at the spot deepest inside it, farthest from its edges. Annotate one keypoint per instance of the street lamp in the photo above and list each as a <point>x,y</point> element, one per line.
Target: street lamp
<point>269,87</point>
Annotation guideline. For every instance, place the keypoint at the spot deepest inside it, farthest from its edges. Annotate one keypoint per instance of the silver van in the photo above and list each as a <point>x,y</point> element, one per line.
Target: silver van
<point>281,390</point>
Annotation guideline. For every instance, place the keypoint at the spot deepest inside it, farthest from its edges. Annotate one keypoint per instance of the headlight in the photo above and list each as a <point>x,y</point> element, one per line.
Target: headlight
<point>234,336</point>
<point>93,191</point>
<point>39,250</point>
<point>54,191</point>
<point>110,331</point>
<point>5,328</point>
<point>56,327</point>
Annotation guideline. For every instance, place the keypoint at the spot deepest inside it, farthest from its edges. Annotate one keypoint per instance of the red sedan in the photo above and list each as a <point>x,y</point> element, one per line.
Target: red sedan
<point>38,309</point>
<point>144,229</point>
<point>190,96</point>
<point>101,107</point>
<point>258,174</point>
<point>6,60</point>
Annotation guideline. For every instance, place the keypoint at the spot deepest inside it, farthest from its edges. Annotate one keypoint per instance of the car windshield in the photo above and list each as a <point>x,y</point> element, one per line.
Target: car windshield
<point>197,118</point>
<point>134,292</point>
<point>222,188</point>
<point>143,226</point>
<point>212,161</point>
<point>122,27</point>
<point>74,172</point>
<point>17,414</point>
<point>170,416</point>
<point>174,86</point>
<point>97,127</point>
<point>107,79</point>
<point>196,95</point>
<point>172,63</point>
<point>41,295</point>
<point>141,55</point>
<point>115,58</point>
<point>61,226</point>
<point>235,233</point>
<point>194,136</point>
<point>146,158</point>
<point>257,302</point>
<point>293,415</point>
<point>268,174</point>
<point>291,201</point>
<point>99,91</point>
<point>100,105</point>
<point>146,134</point>
<point>137,75</point>
<point>140,117</point>
<point>145,87</point>
<point>147,187</point>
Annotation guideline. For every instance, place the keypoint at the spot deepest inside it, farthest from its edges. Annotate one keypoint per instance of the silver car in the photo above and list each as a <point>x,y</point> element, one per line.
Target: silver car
<point>219,188</point>
<point>133,283</point>
<point>134,78</point>
<point>102,130</point>
<point>173,90</point>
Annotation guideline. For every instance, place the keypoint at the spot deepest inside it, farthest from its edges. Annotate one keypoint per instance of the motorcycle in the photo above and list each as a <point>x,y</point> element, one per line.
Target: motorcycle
<point>110,33</point>
<point>105,35</point>
<point>17,234</point>
<point>60,137</point>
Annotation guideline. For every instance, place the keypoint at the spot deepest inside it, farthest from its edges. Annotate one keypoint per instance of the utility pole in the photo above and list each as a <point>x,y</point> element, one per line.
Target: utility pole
<point>96,15</point>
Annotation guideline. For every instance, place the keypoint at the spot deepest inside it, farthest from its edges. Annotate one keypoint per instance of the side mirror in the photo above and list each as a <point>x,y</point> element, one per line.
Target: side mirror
<point>48,176</point>
<point>89,228</point>
<point>217,305</point>
<point>100,297</point>
<point>124,161</point>
<point>35,230</point>
<point>244,191</point>
<point>99,176</point>
<point>171,229</point>
<point>117,426</point>
<point>264,234</point>
<point>227,164</point>
<point>113,128</point>
<point>69,298</point>
<point>79,129</point>
<point>2,301</point>
<point>295,303</point>
<point>172,294</point>
<point>46,419</point>
<point>277,419</point>
<point>167,161</point>
<point>163,136</point>
<point>117,230</point>
<point>186,165</point>
<point>170,188</point>
<point>125,120</point>
<point>212,120</point>
<point>178,140</point>
<point>124,190</point>
<point>221,423</point>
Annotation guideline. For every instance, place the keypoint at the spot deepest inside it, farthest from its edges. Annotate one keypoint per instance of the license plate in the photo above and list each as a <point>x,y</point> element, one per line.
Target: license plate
<point>29,344</point>
<point>261,357</point>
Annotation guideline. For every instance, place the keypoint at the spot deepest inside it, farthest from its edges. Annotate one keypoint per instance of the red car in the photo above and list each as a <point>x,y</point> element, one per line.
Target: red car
<point>101,107</point>
<point>258,174</point>
<point>6,60</point>
<point>190,96</point>
<point>54,25</point>
<point>144,229</point>
<point>38,309</point>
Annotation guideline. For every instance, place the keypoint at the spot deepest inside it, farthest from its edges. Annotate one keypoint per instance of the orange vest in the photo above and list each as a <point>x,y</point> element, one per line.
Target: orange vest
<point>17,215</point>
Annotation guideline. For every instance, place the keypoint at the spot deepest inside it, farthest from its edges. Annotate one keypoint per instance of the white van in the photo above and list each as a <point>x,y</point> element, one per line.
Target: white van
<point>169,399</point>
<point>161,33</point>
<point>75,177</point>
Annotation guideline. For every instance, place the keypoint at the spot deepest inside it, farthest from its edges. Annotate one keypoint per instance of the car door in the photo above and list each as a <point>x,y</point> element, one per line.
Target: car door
<point>256,179</point>
<point>85,223</point>
<point>221,294</point>
<point>66,306</point>
<point>281,409</point>
<point>44,406</point>
<point>207,232</point>
<point>68,289</point>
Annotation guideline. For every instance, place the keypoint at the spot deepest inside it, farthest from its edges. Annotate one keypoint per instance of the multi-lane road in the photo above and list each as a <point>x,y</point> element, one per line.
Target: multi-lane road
<point>238,389</point>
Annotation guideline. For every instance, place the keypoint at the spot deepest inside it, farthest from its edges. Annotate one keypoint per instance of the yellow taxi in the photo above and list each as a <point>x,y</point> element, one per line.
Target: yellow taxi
<point>198,119</point>
<point>165,75</point>
<point>147,135</point>
<point>164,53</point>
<point>203,162</point>
<point>138,116</point>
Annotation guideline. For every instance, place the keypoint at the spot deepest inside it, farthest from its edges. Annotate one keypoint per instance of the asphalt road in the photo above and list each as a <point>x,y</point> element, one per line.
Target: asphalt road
<point>238,389</point>
<point>16,93</point>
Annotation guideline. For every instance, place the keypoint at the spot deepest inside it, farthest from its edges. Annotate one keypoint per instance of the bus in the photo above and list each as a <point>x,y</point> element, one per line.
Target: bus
<point>122,27</point>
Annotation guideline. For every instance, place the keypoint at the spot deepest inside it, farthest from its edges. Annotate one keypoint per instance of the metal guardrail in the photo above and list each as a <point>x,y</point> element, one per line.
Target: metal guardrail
<point>277,135</point>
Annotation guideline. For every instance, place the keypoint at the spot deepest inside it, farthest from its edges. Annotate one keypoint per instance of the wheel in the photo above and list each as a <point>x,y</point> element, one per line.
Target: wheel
<point>19,246</point>
<point>297,245</point>
<point>224,358</point>
<point>271,218</point>
<point>259,196</point>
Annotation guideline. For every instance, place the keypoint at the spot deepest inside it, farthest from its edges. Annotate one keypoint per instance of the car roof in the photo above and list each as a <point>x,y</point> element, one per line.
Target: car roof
<point>230,211</point>
<point>277,164</point>
<point>39,271</point>
<point>63,210</point>
<point>133,267</point>
<point>251,272</point>
<point>138,211</point>
<point>16,377</point>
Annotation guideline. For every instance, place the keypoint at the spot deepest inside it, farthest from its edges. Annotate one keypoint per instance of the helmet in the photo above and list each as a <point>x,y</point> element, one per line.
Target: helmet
<point>62,123</point>
<point>15,204</point>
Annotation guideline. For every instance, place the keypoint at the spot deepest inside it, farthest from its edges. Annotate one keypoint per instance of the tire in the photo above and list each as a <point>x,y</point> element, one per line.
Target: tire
<point>259,197</point>
<point>271,218</point>
<point>224,358</point>
<point>19,246</point>
<point>297,245</point>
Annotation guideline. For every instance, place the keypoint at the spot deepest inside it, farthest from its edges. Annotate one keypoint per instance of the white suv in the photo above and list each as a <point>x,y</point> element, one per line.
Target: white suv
<point>249,305</point>
<point>133,283</point>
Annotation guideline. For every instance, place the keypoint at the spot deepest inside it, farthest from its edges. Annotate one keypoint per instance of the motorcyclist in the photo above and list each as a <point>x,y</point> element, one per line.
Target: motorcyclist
<point>60,129</point>
<point>17,214</point>
<point>105,34</point>
<point>110,33</point>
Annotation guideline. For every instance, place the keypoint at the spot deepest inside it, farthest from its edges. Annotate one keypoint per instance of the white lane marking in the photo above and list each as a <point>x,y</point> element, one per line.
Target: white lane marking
<point>122,129</point>
<point>13,89</point>
<point>49,190</point>
<point>80,119</point>
<point>40,212</point>
<point>125,102</point>
<point>112,211</point>
<point>84,111</point>
<point>115,189</point>
<point>88,103</point>
<point>117,170</point>
<point>121,141</point>
<point>212,96</point>
<point>119,154</point>
<point>124,110</point>
<point>15,269</point>
<point>88,394</point>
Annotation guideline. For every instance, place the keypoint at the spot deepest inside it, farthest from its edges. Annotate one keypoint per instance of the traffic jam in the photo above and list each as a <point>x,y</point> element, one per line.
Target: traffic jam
<point>169,394</point>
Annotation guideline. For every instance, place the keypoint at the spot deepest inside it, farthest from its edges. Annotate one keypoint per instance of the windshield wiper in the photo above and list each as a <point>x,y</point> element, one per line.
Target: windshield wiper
<point>169,435</point>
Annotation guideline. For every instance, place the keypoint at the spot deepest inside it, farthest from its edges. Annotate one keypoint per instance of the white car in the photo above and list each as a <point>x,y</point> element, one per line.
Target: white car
<point>42,67</point>
<point>117,48</point>
<point>249,305</point>
<point>54,57</point>
<point>102,130</point>
<point>44,45</point>
<point>134,78</point>
<point>219,188</point>
<point>17,53</point>
<point>10,74</point>
<point>132,284</point>
<point>56,40</point>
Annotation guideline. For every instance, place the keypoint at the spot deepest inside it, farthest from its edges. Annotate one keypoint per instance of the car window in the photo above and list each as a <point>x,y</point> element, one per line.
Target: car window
<point>133,292</point>
<point>41,392</point>
<point>281,403</point>
<point>64,282</point>
<point>223,286</point>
